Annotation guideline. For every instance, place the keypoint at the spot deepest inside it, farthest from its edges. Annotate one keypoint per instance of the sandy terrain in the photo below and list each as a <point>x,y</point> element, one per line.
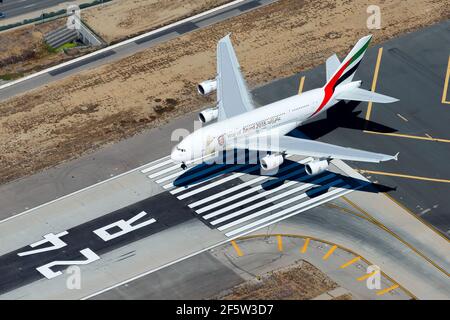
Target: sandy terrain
<point>117,20</point>
<point>80,113</point>
<point>299,282</point>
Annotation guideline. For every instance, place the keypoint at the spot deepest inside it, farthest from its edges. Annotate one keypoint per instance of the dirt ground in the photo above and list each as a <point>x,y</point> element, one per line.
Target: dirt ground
<point>23,50</point>
<point>80,113</point>
<point>299,282</point>
<point>117,20</point>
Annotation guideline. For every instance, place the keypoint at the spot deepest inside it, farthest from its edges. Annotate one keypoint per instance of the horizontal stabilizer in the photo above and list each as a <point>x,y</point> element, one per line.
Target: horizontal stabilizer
<point>358,94</point>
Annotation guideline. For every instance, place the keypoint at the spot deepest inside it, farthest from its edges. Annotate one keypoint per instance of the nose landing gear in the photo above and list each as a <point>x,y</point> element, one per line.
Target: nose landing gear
<point>183,166</point>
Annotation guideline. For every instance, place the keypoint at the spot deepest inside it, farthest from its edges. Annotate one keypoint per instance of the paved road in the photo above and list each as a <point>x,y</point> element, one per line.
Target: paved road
<point>131,47</point>
<point>19,7</point>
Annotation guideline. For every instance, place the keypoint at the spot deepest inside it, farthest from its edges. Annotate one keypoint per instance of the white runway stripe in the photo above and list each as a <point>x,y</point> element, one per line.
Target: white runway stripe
<point>275,198</point>
<point>242,185</point>
<point>164,171</point>
<point>306,205</point>
<point>218,174</point>
<point>151,168</point>
<point>170,177</point>
<point>218,182</point>
<point>215,175</point>
<point>279,205</point>
<point>259,195</point>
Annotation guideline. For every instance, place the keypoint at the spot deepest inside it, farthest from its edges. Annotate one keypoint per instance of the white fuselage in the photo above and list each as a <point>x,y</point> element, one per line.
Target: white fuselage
<point>282,116</point>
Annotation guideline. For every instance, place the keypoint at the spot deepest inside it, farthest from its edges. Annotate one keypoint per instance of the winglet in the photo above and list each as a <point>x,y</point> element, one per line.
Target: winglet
<point>396,156</point>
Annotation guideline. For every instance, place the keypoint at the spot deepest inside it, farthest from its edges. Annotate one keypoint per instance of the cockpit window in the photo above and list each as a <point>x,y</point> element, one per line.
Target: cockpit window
<point>180,149</point>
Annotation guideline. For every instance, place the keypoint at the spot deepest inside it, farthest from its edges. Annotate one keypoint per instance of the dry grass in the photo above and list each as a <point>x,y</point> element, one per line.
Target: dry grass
<point>117,20</point>
<point>299,282</point>
<point>80,113</point>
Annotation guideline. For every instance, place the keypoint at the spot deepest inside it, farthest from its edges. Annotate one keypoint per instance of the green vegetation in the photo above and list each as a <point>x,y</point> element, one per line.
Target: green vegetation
<point>61,47</point>
<point>10,76</point>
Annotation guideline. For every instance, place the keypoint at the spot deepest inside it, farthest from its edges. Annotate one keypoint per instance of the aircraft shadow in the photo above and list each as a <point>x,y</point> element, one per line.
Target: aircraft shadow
<point>293,170</point>
<point>342,115</point>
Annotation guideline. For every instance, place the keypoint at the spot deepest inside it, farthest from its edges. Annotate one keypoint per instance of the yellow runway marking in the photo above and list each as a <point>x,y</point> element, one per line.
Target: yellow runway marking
<point>369,105</point>
<point>374,81</point>
<point>300,87</point>
<point>391,174</point>
<point>328,254</point>
<point>381,292</point>
<point>367,275</point>
<point>236,247</point>
<point>348,263</point>
<point>447,75</point>
<point>280,243</point>
<point>401,135</point>
<point>305,246</point>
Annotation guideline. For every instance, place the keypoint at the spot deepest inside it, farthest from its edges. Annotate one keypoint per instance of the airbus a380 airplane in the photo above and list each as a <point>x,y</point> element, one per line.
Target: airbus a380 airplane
<point>242,126</point>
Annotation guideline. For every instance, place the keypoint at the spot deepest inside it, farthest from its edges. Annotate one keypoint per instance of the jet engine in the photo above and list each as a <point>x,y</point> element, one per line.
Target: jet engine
<point>208,115</point>
<point>272,161</point>
<point>316,167</point>
<point>206,87</point>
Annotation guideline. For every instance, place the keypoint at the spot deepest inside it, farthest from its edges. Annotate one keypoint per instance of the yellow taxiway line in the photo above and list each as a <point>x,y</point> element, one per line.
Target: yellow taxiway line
<point>374,81</point>
<point>350,262</point>
<point>367,275</point>
<point>300,86</point>
<point>369,105</point>
<point>328,254</point>
<point>401,135</point>
<point>407,176</point>
<point>381,292</point>
<point>236,248</point>
<point>305,246</point>
<point>280,243</point>
<point>447,75</point>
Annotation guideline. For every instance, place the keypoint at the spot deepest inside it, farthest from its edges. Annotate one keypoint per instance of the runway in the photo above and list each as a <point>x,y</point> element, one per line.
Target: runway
<point>125,230</point>
<point>16,8</point>
<point>227,198</point>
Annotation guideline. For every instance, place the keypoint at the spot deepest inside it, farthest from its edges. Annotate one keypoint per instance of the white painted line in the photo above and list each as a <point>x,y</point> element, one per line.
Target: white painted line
<point>278,205</point>
<point>117,45</point>
<point>76,192</point>
<point>161,164</point>
<point>164,171</point>
<point>402,117</point>
<point>275,198</point>
<point>242,185</point>
<point>259,195</point>
<point>218,182</point>
<point>213,184</point>
<point>220,173</point>
<point>314,203</point>
<point>340,164</point>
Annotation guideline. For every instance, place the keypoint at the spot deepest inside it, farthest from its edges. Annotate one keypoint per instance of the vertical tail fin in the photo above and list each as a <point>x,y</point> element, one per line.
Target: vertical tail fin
<point>344,72</point>
<point>347,69</point>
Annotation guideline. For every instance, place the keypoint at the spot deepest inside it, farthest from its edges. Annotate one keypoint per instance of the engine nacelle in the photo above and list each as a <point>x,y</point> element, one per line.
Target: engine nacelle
<point>272,161</point>
<point>208,115</point>
<point>316,167</point>
<point>206,87</point>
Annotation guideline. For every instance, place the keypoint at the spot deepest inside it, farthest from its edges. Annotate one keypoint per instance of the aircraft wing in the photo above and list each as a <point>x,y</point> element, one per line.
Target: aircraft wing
<point>304,147</point>
<point>233,97</point>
